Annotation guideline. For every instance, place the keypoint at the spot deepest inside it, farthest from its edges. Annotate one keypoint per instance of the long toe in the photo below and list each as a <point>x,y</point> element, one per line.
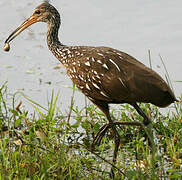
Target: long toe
<point>100,135</point>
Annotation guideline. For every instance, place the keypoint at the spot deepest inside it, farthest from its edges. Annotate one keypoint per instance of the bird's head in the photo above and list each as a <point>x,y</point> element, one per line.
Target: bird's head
<point>45,12</point>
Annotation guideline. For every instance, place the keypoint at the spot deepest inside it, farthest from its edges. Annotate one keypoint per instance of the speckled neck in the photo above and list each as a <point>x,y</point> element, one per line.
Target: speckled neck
<point>52,33</point>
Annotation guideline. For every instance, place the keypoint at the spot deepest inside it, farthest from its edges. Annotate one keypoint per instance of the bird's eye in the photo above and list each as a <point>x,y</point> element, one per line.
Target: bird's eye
<point>37,12</point>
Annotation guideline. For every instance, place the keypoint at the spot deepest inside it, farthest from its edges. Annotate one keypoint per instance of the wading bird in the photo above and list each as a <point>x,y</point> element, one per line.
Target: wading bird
<point>105,75</point>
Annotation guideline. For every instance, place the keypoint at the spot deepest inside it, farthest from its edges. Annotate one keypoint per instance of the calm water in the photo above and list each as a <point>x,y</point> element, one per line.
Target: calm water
<point>133,26</point>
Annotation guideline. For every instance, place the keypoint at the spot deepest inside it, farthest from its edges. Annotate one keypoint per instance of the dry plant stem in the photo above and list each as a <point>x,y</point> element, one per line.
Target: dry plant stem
<point>18,107</point>
<point>71,107</point>
<point>86,105</point>
<point>3,102</point>
<point>150,60</point>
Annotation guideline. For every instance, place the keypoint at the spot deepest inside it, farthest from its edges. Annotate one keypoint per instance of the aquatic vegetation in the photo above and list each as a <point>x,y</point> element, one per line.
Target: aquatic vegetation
<point>50,144</point>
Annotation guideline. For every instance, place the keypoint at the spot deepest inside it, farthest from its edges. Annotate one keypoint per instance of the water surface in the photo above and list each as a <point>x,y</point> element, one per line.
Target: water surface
<point>133,26</point>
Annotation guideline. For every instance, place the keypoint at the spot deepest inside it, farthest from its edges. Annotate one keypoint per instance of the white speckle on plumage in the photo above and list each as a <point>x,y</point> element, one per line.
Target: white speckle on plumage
<point>99,61</point>
<point>121,82</point>
<point>74,63</point>
<point>93,59</point>
<point>95,85</point>
<point>73,48</point>
<point>71,70</point>
<point>57,54</point>
<point>95,72</point>
<point>60,53</point>
<point>105,66</point>
<point>77,53</point>
<point>90,98</point>
<point>87,86</point>
<point>63,54</point>
<point>66,50</point>
<point>69,52</point>
<point>81,77</point>
<point>74,69</point>
<point>115,64</point>
<point>98,76</point>
<point>88,76</point>
<point>121,57</point>
<point>119,54</point>
<point>87,63</point>
<point>104,94</point>
<point>109,77</point>
<point>100,54</point>
<point>59,50</point>
<point>93,77</point>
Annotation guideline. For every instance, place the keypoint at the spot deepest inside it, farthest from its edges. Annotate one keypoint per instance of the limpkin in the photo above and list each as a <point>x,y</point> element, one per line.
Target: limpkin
<point>105,75</point>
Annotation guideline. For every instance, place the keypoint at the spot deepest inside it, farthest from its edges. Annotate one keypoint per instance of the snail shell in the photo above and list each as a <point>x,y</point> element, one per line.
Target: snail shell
<point>6,47</point>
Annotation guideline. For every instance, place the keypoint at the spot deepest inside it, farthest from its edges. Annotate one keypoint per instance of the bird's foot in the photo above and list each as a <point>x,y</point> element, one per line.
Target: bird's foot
<point>105,127</point>
<point>100,135</point>
<point>102,132</point>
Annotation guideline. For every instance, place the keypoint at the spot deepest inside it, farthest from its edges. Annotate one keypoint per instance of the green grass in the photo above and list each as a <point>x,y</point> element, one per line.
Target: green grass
<point>52,145</point>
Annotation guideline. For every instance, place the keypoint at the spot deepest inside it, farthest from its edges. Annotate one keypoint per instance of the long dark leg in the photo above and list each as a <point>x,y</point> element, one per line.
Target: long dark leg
<point>146,120</point>
<point>105,109</point>
<point>147,126</point>
<point>116,138</point>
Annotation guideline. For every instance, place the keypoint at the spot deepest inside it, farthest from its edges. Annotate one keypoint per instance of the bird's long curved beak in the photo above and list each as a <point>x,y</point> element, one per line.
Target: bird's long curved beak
<point>31,20</point>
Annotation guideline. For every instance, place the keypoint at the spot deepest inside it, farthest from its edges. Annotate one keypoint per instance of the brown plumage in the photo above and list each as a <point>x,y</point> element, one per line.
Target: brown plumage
<point>103,74</point>
<point>112,76</point>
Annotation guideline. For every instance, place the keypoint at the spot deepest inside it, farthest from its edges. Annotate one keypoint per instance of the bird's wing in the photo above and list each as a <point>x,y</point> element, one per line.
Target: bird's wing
<point>105,74</point>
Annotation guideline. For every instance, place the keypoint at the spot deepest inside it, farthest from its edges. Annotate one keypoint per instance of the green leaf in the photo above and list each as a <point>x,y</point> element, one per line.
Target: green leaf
<point>17,122</point>
<point>76,125</point>
<point>85,125</point>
